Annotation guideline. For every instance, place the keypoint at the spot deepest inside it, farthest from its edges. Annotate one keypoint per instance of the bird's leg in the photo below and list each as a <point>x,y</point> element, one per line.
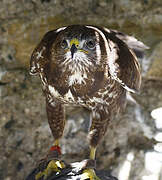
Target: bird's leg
<point>89,173</point>
<point>55,114</point>
<point>100,121</point>
<point>92,153</point>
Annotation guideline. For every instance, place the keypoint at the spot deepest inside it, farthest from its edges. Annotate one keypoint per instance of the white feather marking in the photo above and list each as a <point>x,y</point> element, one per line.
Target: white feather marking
<point>39,54</point>
<point>103,94</point>
<point>96,115</point>
<point>53,91</point>
<point>106,30</point>
<point>78,70</point>
<point>53,103</point>
<point>43,79</point>
<point>106,45</point>
<point>77,77</point>
<point>98,100</point>
<point>60,29</point>
<point>32,68</point>
<point>113,66</point>
<point>126,87</point>
<point>112,95</point>
<point>38,65</point>
<point>68,96</point>
<point>79,57</point>
<point>98,49</point>
<point>79,100</point>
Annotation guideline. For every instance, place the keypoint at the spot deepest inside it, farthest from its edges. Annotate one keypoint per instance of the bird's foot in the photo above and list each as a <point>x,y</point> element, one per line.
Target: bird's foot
<point>53,166</point>
<point>50,164</point>
<point>89,174</point>
<point>86,169</point>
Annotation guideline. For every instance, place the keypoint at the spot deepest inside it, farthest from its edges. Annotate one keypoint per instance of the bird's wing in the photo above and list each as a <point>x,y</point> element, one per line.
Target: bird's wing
<point>137,46</point>
<point>122,62</point>
<point>40,55</point>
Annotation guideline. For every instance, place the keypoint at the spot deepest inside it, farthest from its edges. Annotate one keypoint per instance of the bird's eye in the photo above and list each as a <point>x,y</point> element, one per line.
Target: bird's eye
<point>90,44</point>
<point>64,44</point>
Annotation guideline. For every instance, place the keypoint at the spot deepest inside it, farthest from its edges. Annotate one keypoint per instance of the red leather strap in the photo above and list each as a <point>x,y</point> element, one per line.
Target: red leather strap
<point>56,148</point>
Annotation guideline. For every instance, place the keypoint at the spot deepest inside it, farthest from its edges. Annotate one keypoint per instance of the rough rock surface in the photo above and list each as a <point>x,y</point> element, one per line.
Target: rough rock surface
<point>24,133</point>
<point>155,70</point>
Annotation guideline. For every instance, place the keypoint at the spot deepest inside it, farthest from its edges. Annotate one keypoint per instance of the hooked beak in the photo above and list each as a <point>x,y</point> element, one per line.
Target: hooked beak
<point>73,49</point>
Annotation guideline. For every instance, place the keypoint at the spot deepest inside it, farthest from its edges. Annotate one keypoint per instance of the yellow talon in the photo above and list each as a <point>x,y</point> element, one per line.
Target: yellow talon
<point>39,175</point>
<point>89,174</point>
<point>52,166</point>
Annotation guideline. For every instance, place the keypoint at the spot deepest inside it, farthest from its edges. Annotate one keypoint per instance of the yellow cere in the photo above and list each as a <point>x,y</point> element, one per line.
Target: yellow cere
<point>74,41</point>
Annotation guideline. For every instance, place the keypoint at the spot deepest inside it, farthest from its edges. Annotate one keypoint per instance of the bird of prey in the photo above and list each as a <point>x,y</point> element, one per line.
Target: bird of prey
<point>88,66</point>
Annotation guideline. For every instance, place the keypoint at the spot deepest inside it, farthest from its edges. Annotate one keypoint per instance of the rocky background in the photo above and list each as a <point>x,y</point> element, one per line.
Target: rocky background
<point>132,149</point>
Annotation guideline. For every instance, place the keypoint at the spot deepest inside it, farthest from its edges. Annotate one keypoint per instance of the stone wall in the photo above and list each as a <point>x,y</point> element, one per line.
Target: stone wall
<point>24,133</point>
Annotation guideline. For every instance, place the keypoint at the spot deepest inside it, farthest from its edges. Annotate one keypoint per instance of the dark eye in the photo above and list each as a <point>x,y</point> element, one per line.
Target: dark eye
<point>90,44</point>
<point>64,44</point>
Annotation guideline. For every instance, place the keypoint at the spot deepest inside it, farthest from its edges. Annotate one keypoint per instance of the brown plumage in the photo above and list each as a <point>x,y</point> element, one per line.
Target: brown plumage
<point>88,66</point>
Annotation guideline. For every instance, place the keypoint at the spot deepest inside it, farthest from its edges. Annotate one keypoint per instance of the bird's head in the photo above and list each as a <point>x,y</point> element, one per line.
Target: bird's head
<point>77,47</point>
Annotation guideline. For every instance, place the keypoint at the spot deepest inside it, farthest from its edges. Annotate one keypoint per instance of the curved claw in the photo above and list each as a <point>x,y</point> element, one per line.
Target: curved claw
<point>53,166</point>
<point>89,174</point>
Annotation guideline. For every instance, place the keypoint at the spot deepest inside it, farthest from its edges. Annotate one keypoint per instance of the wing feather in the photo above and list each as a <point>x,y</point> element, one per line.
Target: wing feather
<point>40,55</point>
<point>123,63</point>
